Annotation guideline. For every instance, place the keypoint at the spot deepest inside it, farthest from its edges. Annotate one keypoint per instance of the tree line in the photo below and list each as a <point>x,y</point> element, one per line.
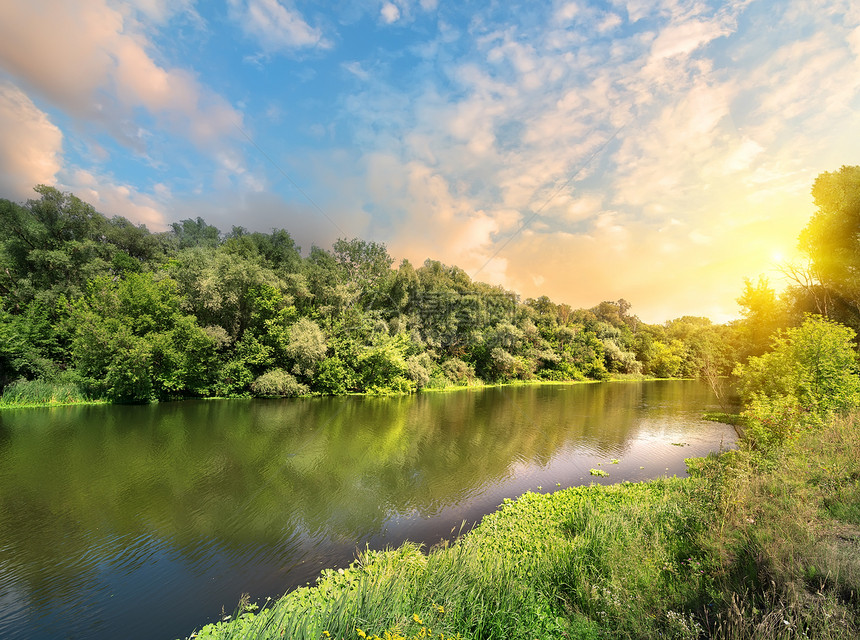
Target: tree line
<point>125,314</point>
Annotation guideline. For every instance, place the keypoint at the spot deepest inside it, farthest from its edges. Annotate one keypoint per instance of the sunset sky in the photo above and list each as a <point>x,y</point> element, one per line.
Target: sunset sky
<point>655,150</point>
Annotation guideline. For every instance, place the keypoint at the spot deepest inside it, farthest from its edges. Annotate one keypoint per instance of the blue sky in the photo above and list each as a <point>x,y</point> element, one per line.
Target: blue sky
<point>654,150</point>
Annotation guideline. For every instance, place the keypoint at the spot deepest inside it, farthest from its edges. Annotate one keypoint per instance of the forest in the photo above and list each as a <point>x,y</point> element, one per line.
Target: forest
<point>97,308</point>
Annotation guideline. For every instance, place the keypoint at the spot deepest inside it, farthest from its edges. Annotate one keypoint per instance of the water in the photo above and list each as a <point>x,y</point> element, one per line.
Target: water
<point>144,521</point>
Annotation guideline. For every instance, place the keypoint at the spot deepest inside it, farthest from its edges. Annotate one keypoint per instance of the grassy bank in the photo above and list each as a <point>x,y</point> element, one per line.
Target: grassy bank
<point>36,393</point>
<point>749,547</point>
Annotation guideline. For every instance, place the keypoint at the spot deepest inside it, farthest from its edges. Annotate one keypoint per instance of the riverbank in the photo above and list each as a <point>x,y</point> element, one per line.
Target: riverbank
<point>747,547</point>
<point>29,394</point>
<point>35,394</point>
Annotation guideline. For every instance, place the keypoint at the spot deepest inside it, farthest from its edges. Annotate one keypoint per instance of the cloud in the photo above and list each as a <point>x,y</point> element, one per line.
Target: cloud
<point>114,199</point>
<point>632,160</point>
<point>683,38</point>
<point>160,11</point>
<point>92,61</point>
<point>276,27</point>
<point>355,68</point>
<point>389,13</point>
<point>31,146</point>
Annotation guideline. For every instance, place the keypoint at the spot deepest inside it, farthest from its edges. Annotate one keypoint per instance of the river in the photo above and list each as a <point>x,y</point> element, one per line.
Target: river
<point>146,521</point>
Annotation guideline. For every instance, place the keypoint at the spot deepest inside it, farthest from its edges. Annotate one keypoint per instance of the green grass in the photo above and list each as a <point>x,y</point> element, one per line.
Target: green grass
<point>37,393</point>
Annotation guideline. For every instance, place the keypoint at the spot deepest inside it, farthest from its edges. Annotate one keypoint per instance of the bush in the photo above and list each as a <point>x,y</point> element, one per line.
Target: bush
<point>810,374</point>
<point>418,369</point>
<point>815,362</point>
<point>770,422</point>
<point>278,382</point>
<point>458,372</point>
<point>334,377</point>
<point>563,371</point>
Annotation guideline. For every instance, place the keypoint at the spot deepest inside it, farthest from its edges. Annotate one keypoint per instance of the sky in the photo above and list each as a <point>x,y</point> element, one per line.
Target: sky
<point>658,151</point>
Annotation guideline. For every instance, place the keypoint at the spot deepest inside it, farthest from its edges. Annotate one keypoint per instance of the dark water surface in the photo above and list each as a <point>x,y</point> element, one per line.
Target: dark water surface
<point>144,521</point>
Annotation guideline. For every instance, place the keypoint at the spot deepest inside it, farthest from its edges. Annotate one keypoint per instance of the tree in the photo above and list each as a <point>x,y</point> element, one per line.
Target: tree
<point>810,373</point>
<point>831,240</point>
<point>365,263</point>
<point>51,246</point>
<point>132,343</point>
<point>277,250</point>
<point>195,233</point>
<point>306,347</point>
<point>762,316</point>
<point>224,288</point>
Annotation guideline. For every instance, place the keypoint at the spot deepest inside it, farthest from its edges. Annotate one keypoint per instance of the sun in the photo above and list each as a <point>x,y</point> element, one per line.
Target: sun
<point>777,256</point>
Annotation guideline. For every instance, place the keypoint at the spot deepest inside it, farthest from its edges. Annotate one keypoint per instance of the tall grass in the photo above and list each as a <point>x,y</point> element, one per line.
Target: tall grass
<point>789,543</point>
<point>24,393</point>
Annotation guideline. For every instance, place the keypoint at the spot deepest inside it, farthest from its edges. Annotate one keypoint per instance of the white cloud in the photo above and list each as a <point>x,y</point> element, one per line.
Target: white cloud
<point>684,38</point>
<point>160,11</point>
<point>567,12</point>
<point>389,13</point>
<point>609,22</point>
<point>93,62</point>
<point>30,147</point>
<point>355,68</point>
<point>114,199</point>
<point>584,207</point>
<point>275,26</point>
<point>743,156</point>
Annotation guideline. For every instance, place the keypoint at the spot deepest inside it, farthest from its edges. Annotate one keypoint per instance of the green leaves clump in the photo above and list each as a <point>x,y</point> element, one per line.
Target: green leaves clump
<point>278,383</point>
<point>810,374</point>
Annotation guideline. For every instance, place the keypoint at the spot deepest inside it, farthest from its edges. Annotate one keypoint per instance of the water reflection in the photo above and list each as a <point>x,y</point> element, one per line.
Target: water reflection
<point>147,519</point>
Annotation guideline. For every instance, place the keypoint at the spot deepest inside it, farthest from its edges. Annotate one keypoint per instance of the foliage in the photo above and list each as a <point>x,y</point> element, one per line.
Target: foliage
<point>306,347</point>
<point>278,382</point>
<point>831,243</point>
<point>137,316</point>
<point>763,315</point>
<point>132,343</point>
<point>334,376</point>
<point>810,373</point>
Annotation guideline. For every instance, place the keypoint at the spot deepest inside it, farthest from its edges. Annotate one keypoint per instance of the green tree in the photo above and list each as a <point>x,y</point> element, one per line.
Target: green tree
<point>666,359</point>
<point>762,316</point>
<point>195,233</point>
<point>132,343</point>
<point>306,348</point>
<point>810,373</point>
<point>831,240</point>
<point>51,246</point>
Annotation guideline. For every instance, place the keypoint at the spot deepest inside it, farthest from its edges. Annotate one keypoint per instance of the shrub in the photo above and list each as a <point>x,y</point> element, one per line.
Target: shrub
<point>278,382</point>
<point>458,372</point>
<point>334,376</point>
<point>810,374</point>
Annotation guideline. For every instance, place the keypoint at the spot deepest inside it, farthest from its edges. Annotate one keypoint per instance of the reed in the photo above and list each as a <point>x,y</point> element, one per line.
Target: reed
<point>28,393</point>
